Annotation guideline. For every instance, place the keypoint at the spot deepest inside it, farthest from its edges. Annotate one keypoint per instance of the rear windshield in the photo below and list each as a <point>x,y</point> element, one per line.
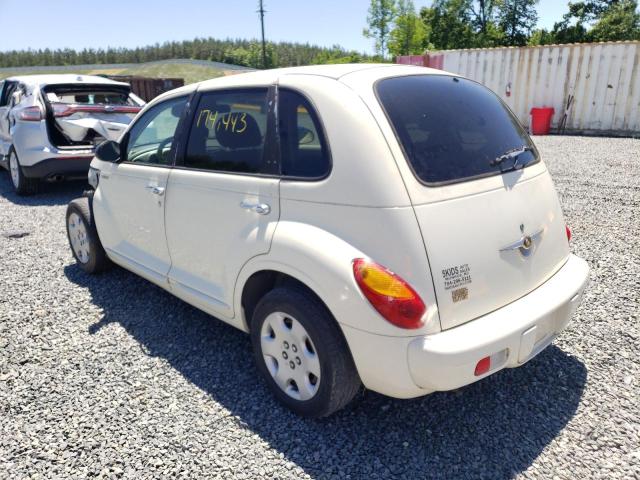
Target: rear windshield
<point>86,95</point>
<point>451,129</point>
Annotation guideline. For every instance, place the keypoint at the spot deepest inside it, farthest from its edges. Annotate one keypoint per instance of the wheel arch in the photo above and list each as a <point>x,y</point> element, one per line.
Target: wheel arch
<point>264,279</point>
<point>323,263</point>
<point>304,255</point>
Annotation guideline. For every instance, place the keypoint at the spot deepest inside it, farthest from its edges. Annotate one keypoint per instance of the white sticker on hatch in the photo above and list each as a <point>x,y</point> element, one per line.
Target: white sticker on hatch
<point>455,277</point>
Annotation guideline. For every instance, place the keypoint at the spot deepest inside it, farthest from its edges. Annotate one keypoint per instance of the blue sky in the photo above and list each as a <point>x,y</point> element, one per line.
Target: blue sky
<point>130,23</point>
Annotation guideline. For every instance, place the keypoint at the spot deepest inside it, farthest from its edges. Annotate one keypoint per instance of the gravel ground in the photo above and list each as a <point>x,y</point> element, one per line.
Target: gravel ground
<point>111,377</point>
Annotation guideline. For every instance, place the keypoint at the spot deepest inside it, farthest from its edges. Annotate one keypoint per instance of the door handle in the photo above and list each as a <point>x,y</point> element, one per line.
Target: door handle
<point>260,208</point>
<point>156,190</point>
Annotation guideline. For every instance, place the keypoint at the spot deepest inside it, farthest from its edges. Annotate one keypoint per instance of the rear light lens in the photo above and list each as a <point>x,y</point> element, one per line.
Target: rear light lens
<point>66,109</point>
<point>483,366</point>
<point>30,114</point>
<point>389,294</point>
<point>61,110</point>
<point>491,362</point>
<point>568,230</point>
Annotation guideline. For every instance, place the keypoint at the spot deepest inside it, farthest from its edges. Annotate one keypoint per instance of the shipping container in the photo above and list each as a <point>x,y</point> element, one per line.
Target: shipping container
<point>596,85</point>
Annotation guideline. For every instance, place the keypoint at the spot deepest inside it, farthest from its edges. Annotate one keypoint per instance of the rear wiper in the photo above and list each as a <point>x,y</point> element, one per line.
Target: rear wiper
<point>514,153</point>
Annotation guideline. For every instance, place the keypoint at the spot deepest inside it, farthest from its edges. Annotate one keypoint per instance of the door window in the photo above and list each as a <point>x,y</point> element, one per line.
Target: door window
<point>228,132</point>
<point>303,149</point>
<point>151,137</point>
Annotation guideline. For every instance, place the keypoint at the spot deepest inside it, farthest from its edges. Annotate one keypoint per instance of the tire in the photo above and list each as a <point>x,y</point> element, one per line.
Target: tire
<point>324,348</point>
<point>83,237</point>
<point>21,184</point>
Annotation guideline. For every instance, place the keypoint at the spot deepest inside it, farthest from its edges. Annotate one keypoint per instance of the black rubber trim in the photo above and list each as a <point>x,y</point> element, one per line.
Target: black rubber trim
<point>67,167</point>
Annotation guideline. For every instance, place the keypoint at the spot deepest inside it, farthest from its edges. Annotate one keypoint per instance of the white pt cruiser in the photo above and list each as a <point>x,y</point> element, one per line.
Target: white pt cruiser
<point>384,226</point>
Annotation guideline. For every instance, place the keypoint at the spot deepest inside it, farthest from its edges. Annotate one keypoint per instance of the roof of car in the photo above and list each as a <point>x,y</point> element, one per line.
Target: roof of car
<point>266,77</point>
<point>335,71</point>
<point>65,78</point>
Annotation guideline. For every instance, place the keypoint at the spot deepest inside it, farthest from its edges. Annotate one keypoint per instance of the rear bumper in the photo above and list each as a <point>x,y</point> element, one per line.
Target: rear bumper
<point>410,367</point>
<point>69,167</point>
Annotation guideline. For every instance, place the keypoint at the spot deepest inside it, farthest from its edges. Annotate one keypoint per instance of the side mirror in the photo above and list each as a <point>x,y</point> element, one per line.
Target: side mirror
<point>108,151</point>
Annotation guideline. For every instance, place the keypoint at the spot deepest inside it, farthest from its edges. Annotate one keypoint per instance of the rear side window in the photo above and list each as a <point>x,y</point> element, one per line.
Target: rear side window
<point>228,132</point>
<point>450,128</point>
<point>303,149</point>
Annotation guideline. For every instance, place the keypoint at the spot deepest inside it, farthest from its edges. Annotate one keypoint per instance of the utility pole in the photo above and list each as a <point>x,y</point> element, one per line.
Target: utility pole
<point>264,48</point>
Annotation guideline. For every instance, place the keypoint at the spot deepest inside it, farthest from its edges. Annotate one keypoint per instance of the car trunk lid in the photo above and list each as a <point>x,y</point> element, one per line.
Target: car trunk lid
<point>486,206</point>
<point>489,249</point>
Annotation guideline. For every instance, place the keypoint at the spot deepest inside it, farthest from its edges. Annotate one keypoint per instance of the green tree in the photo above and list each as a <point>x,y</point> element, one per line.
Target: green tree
<point>620,21</point>
<point>517,18</point>
<point>409,34</point>
<point>485,23</point>
<point>541,36</point>
<point>380,20</point>
<point>610,20</point>
<point>449,24</point>
<point>483,14</point>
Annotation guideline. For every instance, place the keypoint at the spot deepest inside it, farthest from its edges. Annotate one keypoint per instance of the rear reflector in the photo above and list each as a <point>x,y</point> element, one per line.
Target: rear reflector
<point>483,366</point>
<point>568,232</point>
<point>493,362</point>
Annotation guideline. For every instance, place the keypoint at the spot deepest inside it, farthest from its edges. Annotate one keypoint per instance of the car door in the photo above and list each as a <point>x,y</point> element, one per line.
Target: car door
<point>222,205</point>
<point>129,206</point>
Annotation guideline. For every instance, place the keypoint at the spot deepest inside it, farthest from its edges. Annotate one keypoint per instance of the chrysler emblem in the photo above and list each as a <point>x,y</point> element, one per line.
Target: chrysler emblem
<point>526,244</point>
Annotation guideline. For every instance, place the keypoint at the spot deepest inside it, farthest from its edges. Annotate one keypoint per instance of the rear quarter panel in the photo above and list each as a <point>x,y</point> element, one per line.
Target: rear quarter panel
<point>361,209</point>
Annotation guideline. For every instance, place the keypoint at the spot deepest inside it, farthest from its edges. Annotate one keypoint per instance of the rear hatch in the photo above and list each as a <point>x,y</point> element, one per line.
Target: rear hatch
<point>81,115</point>
<point>487,208</point>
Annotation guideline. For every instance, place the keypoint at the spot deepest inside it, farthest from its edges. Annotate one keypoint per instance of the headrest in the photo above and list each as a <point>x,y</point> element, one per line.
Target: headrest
<point>238,130</point>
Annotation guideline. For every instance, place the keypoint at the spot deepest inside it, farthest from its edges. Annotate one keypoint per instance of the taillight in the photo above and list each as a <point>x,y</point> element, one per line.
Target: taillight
<point>30,114</point>
<point>568,232</point>
<point>66,109</point>
<point>389,294</point>
<point>61,110</point>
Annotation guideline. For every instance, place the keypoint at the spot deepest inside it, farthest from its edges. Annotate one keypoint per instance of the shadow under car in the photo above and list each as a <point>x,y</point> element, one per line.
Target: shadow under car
<point>494,428</point>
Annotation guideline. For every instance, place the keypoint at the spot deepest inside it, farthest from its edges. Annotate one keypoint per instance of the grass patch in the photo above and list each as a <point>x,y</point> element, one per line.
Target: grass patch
<point>190,72</point>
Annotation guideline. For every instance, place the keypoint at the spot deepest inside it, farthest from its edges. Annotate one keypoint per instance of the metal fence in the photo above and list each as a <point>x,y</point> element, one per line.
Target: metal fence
<point>596,85</point>
<point>148,88</point>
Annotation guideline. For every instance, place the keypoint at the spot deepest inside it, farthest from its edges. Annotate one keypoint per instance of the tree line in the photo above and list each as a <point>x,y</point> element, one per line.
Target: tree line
<point>235,51</point>
<point>398,29</point>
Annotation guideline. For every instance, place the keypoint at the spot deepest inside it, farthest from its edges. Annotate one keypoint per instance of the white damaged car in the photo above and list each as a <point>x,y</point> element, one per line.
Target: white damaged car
<point>379,225</point>
<point>50,124</point>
